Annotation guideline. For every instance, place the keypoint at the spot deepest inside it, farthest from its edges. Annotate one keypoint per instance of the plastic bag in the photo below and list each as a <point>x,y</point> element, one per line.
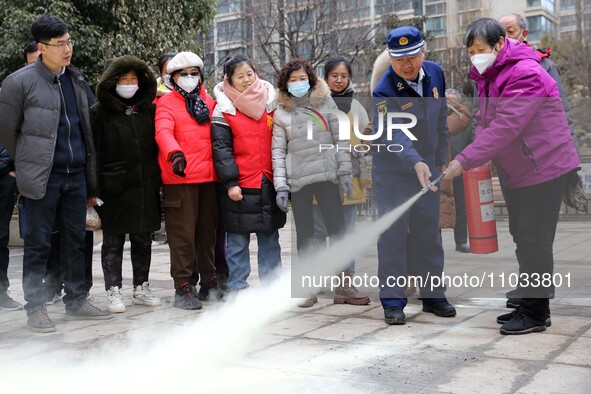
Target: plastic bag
<point>93,220</point>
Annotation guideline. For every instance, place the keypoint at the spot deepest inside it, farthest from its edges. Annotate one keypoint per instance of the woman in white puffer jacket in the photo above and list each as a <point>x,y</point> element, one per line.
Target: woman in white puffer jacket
<point>306,166</point>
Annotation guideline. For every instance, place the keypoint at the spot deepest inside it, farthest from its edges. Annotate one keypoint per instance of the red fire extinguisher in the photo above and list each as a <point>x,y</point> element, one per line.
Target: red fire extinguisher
<point>480,210</point>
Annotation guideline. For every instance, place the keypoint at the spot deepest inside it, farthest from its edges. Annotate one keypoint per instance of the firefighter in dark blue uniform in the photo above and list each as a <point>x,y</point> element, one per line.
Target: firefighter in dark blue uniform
<point>402,166</point>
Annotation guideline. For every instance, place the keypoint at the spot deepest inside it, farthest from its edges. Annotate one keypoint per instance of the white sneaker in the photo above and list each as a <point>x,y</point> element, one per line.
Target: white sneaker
<point>115,302</point>
<point>142,295</point>
<point>57,297</point>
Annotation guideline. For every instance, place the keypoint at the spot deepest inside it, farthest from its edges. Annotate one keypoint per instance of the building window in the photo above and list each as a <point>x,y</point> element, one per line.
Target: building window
<point>302,21</point>
<point>465,18</point>
<point>353,8</point>
<point>568,21</point>
<point>227,6</point>
<point>465,5</point>
<point>436,26</point>
<point>403,5</point>
<point>539,26</point>
<point>383,7</point>
<point>305,49</point>
<point>547,4</point>
<point>229,31</point>
<point>435,9</point>
<point>567,5</point>
<point>438,43</point>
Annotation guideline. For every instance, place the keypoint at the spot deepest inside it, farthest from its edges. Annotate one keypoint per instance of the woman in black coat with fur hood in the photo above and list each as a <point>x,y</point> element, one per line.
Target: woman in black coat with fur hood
<point>129,178</point>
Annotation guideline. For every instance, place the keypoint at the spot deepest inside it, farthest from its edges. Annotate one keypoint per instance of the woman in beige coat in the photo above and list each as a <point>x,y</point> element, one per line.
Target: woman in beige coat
<point>300,166</point>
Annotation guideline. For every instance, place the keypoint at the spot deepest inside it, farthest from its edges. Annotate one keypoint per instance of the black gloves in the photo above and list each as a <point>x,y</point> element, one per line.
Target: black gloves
<point>179,163</point>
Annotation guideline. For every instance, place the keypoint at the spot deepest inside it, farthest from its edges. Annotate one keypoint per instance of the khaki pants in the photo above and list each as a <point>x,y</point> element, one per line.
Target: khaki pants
<point>191,217</point>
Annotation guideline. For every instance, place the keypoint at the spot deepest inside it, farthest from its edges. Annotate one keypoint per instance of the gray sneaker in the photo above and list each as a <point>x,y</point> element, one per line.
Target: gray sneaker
<point>40,322</point>
<point>87,311</point>
<point>8,304</point>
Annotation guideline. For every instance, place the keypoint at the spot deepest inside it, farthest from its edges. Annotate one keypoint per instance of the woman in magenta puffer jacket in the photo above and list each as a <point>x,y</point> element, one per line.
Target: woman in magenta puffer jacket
<point>183,123</point>
<point>522,127</point>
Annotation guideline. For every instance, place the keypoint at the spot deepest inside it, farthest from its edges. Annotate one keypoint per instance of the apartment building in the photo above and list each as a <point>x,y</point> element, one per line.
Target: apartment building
<point>239,24</point>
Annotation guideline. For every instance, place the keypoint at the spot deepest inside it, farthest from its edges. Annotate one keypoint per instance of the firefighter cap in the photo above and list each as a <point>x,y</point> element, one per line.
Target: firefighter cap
<point>405,41</point>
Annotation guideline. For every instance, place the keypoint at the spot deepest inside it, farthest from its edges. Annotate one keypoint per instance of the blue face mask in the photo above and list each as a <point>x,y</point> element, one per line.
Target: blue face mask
<point>298,89</point>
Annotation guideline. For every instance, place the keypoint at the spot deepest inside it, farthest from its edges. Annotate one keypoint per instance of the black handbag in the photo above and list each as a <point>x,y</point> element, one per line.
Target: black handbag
<point>574,195</point>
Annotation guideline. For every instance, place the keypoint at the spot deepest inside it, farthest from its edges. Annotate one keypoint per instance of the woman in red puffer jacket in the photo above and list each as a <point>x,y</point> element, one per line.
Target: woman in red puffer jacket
<point>183,121</point>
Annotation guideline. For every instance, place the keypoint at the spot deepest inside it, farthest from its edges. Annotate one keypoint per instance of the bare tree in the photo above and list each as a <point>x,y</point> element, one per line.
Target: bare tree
<point>309,29</point>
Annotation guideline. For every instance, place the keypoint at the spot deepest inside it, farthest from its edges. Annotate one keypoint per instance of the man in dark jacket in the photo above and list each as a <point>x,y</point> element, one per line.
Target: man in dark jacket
<point>414,87</point>
<point>516,28</point>
<point>46,129</point>
<point>7,189</point>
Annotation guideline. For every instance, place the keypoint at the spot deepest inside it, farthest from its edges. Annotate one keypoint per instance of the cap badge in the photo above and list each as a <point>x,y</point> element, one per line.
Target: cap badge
<point>403,41</point>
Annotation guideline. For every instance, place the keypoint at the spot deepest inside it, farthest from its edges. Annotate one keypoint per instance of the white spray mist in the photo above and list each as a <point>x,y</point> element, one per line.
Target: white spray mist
<point>200,356</point>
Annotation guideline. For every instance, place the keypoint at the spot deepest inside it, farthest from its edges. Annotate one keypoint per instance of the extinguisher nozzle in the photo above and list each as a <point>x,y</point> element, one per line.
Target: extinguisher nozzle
<point>431,184</point>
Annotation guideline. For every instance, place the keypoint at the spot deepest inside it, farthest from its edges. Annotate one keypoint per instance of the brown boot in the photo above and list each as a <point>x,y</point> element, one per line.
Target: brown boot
<point>348,294</point>
<point>309,302</point>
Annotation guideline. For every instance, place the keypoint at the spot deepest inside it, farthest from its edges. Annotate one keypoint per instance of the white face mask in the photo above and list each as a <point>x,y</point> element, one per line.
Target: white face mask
<point>188,83</point>
<point>482,61</point>
<point>126,91</point>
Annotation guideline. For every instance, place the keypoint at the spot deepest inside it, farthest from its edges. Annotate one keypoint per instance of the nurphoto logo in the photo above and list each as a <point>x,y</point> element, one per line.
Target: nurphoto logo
<point>394,121</point>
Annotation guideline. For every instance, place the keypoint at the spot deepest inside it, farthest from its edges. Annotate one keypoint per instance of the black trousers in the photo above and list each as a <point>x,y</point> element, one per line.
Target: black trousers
<point>7,189</point>
<point>533,217</point>
<point>112,258</point>
<point>329,200</point>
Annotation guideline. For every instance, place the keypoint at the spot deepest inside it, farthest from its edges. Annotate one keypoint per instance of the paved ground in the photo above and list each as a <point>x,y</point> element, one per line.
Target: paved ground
<point>262,343</point>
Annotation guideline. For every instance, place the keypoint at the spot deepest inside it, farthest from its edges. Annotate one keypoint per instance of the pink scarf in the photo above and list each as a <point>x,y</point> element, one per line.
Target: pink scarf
<point>252,102</point>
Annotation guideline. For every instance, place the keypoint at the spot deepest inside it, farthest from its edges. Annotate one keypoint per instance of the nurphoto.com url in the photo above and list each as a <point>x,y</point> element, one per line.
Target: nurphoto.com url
<point>486,280</point>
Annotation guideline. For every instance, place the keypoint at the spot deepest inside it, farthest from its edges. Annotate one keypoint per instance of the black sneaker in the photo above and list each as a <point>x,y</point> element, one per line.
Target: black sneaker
<point>522,324</point>
<point>8,304</point>
<point>223,281</point>
<point>440,308</point>
<point>87,311</point>
<point>463,248</point>
<point>394,316</point>
<point>502,319</point>
<point>40,322</point>
<point>210,291</point>
<point>185,299</point>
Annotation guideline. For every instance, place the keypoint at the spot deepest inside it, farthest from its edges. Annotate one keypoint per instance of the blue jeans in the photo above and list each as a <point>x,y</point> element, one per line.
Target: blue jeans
<point>7,188</point>
<point>320,232</point>
<point>65,203</point>
<point>238,257</point>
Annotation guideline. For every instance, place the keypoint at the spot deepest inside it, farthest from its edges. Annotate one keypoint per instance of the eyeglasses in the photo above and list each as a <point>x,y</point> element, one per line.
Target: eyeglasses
<point>61,46</point>
<point>193,74</point>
